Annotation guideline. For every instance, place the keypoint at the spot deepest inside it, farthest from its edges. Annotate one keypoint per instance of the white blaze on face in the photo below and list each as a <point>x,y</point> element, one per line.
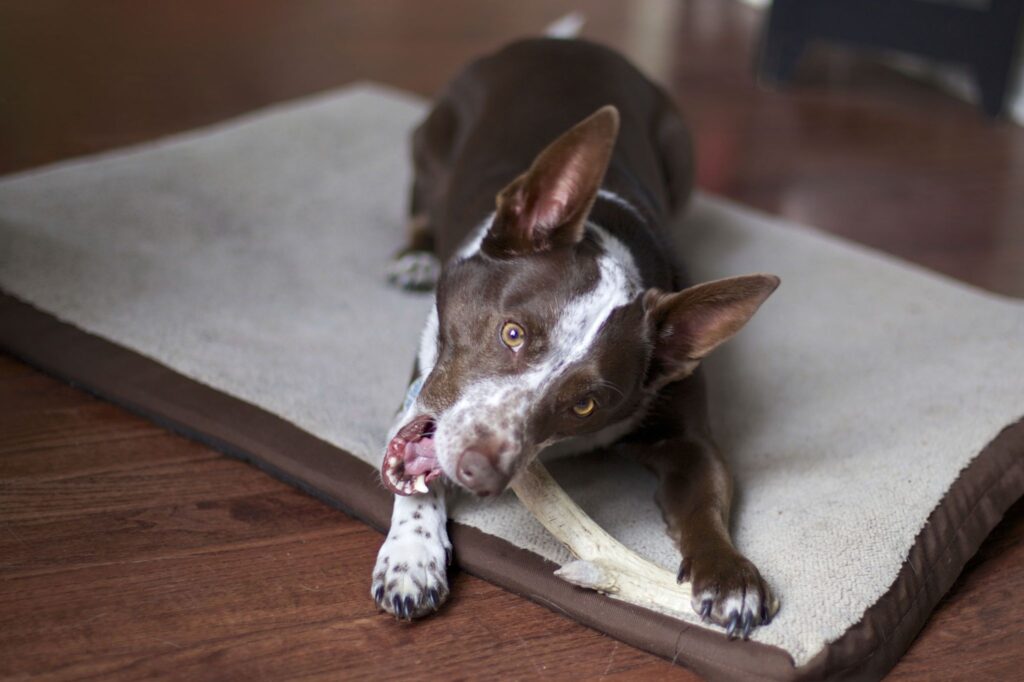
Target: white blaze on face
<point>500,406</point>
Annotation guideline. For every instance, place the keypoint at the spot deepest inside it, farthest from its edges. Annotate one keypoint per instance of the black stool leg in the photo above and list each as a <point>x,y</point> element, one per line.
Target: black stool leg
<point>994,59</point>
<point>782,41</point>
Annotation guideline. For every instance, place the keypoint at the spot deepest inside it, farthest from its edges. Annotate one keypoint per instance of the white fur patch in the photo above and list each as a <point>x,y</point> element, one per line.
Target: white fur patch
<point>472,244</point>
<point>415,271</point>
<point>427,356</point>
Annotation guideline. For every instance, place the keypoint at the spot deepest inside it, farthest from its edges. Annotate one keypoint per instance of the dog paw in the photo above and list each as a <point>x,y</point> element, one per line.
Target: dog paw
<point>410,579</point>
<point>415,271</point>
<point>729,591</point>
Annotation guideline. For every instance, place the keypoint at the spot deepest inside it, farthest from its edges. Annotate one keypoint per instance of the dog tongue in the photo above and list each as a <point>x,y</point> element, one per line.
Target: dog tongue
<point>420,457</point>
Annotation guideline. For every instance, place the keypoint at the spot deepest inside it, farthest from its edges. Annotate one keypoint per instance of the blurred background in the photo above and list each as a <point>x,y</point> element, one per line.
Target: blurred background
<point>890,151</point>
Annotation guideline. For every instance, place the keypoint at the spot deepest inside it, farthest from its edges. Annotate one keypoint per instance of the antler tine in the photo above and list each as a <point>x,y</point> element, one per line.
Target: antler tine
<point>602,562</point>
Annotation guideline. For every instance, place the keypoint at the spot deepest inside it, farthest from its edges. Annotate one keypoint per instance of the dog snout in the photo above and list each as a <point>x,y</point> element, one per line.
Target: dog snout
<point>480,471</point>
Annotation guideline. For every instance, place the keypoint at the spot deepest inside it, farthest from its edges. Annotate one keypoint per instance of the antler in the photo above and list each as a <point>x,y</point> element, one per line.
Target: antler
<point>602,562</point>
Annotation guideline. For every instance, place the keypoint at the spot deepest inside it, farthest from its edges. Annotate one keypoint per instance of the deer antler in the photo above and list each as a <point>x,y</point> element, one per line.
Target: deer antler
<point>602,562</point>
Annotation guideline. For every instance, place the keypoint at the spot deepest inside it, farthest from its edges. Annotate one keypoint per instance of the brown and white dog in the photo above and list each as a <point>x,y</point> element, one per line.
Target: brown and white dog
<point>561,321</point>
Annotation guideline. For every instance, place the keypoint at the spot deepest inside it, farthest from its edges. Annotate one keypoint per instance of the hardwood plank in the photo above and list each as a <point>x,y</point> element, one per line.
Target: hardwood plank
<point>294,615</point>
<point>55,459</point>
<point>139,487</point>
<point>79,425</point>
<point>201,565</point>
<point>35,391</point>
<point>35,546</point>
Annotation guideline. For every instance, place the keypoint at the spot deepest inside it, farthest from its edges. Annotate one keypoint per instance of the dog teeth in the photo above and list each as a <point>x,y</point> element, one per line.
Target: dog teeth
<point>420,484</point>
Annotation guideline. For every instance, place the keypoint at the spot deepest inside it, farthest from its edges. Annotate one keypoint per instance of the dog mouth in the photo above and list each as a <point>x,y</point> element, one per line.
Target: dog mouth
<point>411,460</point>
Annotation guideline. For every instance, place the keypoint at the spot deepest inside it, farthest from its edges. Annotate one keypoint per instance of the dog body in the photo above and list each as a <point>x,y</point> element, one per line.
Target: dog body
<point>561,322</point>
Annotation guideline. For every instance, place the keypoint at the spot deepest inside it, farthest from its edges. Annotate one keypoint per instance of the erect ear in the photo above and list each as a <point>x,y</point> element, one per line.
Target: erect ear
<point>687,325</point>
<point>547,206</point>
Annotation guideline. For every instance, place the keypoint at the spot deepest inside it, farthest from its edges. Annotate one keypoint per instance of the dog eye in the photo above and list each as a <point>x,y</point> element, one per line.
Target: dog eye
<point>512,335</point>
<point>584,407</point>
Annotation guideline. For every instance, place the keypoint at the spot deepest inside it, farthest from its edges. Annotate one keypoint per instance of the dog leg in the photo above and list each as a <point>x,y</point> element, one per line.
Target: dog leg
<point>410,579</point>
<point>695,497</point>
<point>417,267</point>
<point>695,493</point>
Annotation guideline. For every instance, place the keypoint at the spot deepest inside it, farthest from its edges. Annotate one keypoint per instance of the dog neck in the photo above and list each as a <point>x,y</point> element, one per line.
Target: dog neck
<point>637,225</point>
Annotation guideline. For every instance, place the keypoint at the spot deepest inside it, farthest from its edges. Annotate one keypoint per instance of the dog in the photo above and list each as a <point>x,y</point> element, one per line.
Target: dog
<point>546,175</point>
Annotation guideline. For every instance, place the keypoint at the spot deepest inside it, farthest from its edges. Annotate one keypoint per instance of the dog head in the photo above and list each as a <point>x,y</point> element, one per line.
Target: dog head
<point>542,331</point>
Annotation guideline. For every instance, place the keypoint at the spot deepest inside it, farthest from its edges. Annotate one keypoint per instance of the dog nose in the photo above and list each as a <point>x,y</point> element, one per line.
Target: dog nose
<point>480,473</point>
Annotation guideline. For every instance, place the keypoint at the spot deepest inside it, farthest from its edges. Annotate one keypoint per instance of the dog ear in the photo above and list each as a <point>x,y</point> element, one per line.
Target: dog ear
<point>687,325</point>
<point>547,207</point>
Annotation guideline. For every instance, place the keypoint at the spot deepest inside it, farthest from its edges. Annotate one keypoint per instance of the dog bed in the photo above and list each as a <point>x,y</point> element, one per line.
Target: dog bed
<point>229,283</point>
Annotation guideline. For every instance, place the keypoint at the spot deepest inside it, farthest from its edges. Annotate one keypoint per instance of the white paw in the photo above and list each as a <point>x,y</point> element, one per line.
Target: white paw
<point>410,579</point>
<point>415,271</point>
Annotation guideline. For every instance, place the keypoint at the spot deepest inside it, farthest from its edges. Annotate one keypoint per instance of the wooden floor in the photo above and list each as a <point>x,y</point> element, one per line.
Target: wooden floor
<point>127,552</point>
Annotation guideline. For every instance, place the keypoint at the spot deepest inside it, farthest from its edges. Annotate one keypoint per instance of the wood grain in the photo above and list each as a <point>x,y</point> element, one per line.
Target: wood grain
<point>148,554</point>
<point>127,552</point>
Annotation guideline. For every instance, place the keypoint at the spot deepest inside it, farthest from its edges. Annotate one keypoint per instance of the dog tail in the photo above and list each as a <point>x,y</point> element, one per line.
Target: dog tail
<point>567,27</point>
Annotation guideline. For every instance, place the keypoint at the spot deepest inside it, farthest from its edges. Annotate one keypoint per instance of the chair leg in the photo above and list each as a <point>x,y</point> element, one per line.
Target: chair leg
<point>993,81</point>
<point>993,64</point>
<point>782,42</point>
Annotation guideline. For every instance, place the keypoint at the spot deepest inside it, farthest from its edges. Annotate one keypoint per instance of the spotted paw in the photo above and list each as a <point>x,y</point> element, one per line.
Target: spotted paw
<point>729,591</point>
<point>415,271</point>
<point>410,578</point>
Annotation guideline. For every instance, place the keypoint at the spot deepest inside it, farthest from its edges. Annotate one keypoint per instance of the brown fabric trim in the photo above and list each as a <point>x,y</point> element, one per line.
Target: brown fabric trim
<point>971,508</point>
